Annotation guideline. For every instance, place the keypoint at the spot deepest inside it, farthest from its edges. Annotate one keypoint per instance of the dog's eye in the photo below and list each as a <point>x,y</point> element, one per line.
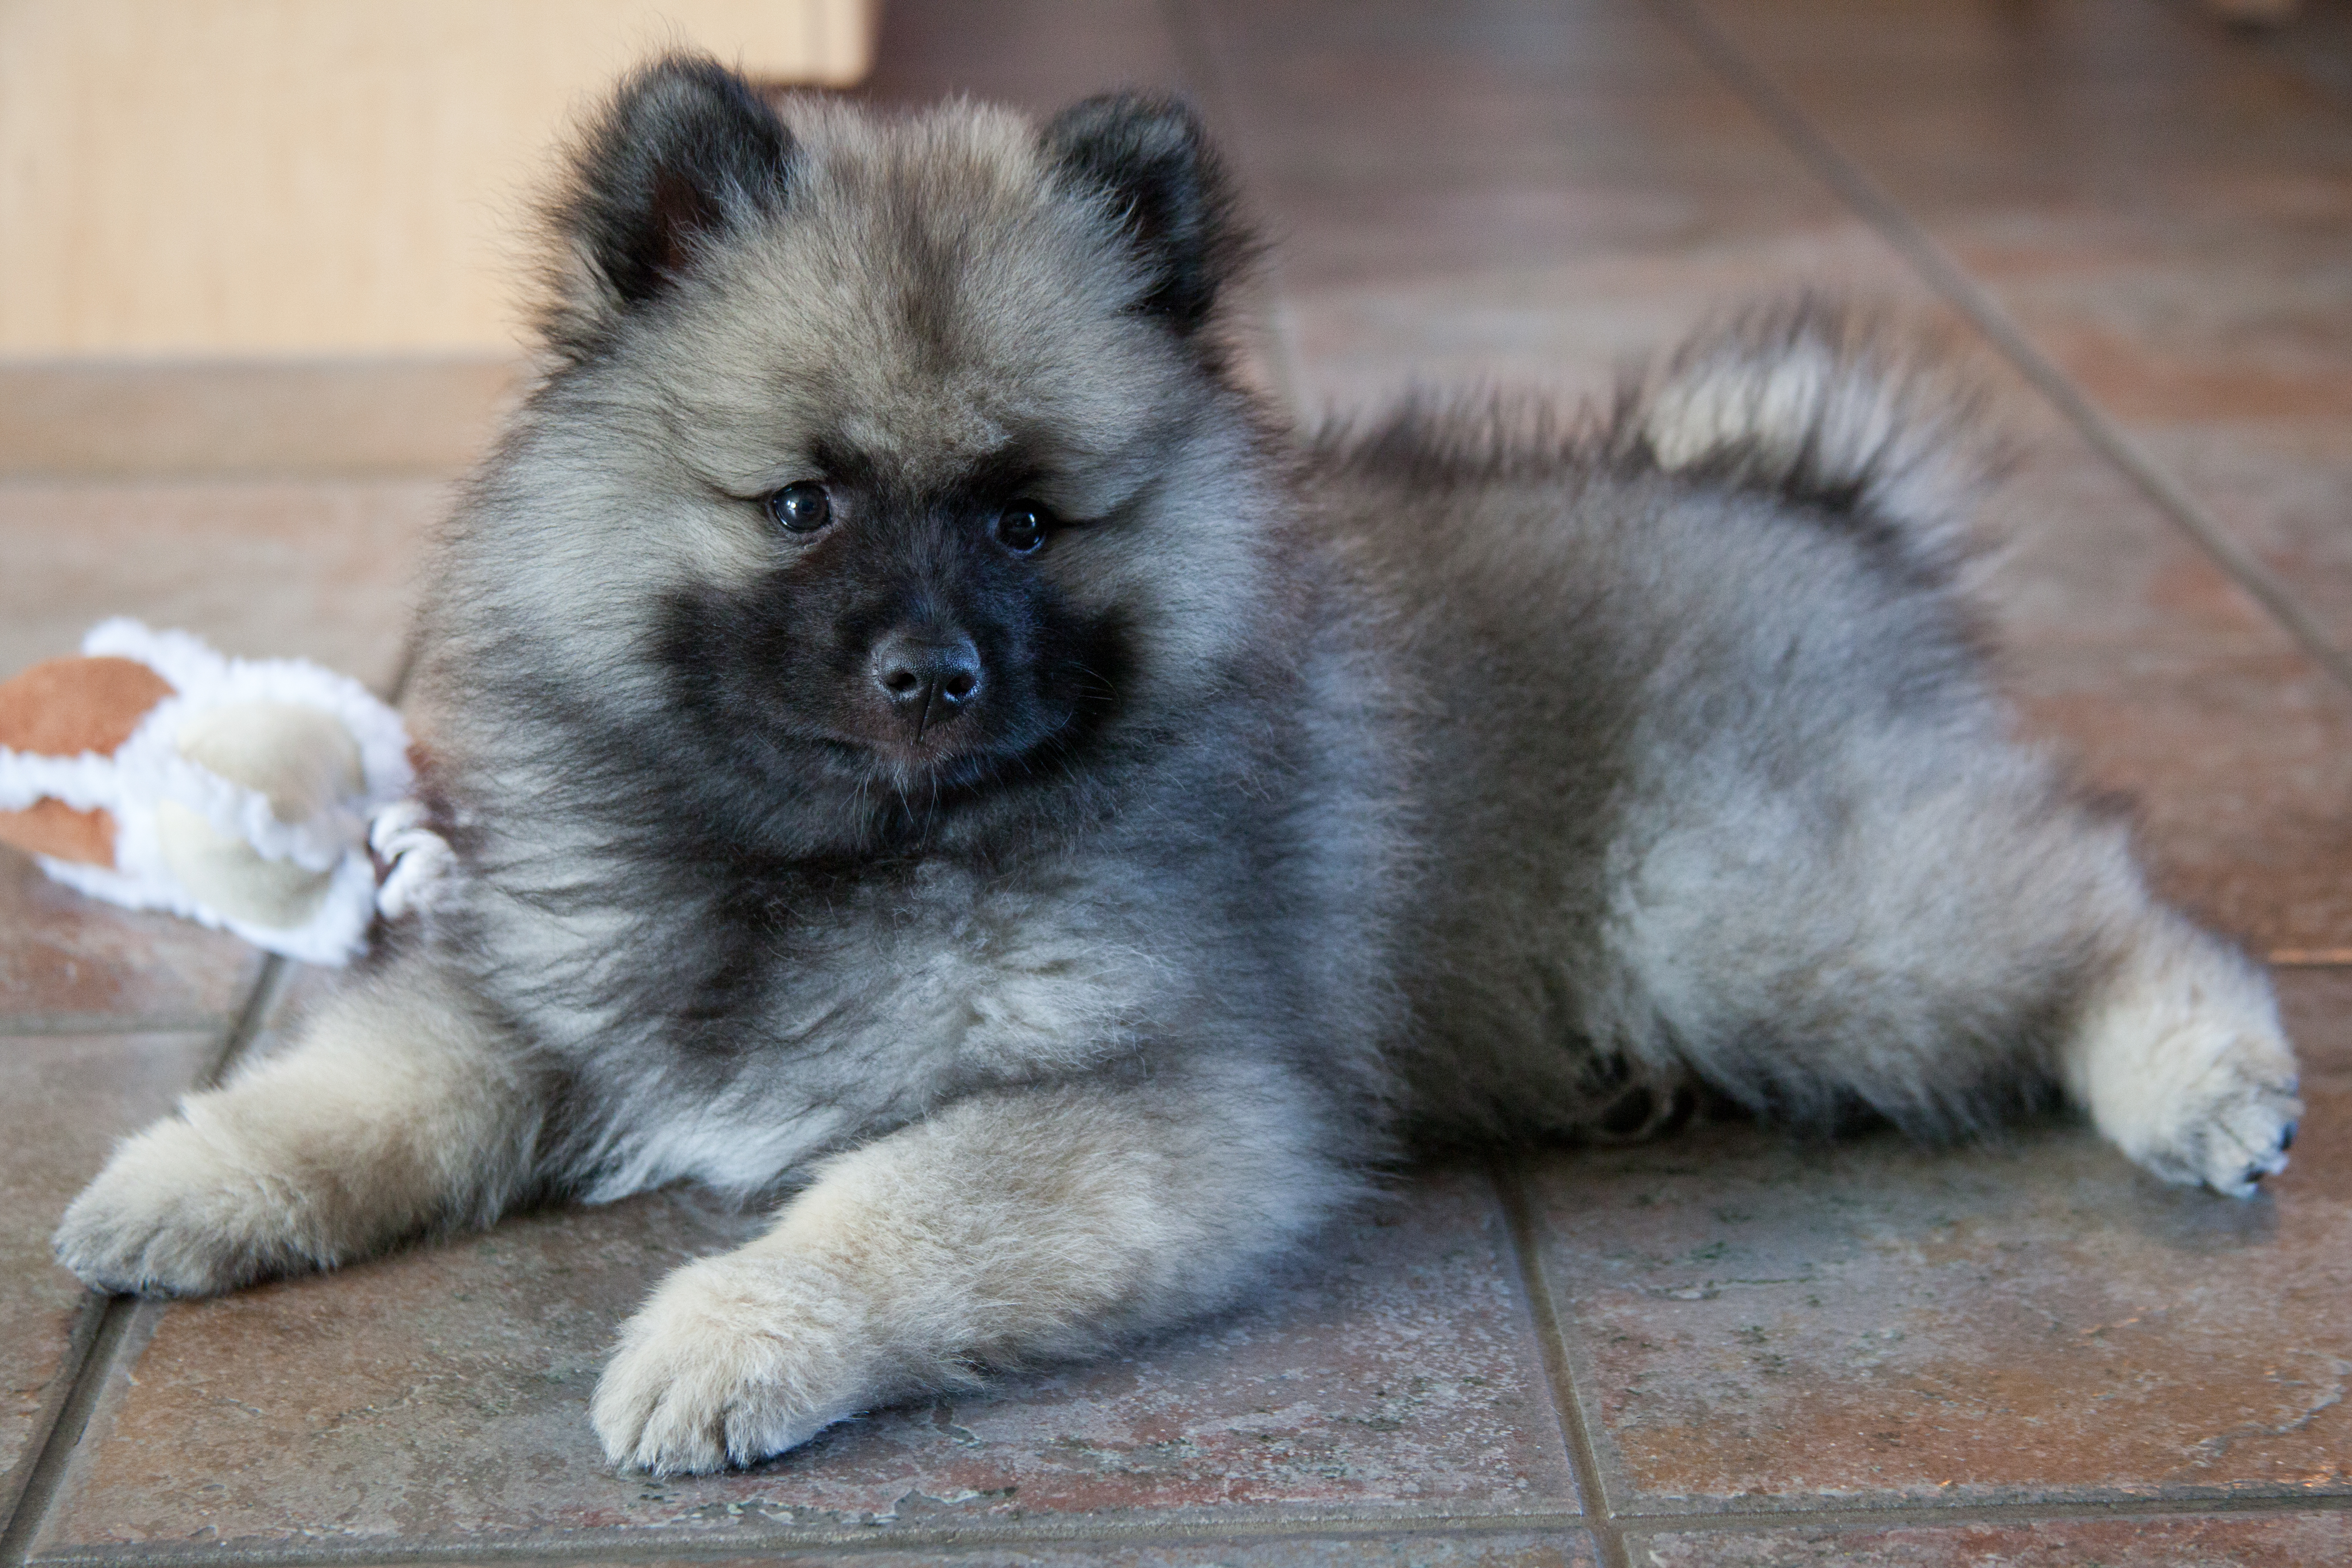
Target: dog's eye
<point>1021,527</point>
<point>801,508</point>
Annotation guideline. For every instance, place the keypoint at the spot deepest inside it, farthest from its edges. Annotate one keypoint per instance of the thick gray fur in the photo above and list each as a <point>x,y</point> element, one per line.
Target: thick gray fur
<point>1460,774</point>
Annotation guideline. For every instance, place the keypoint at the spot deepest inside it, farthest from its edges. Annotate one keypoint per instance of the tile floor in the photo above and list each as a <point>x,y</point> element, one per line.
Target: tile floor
<point>1723,1348</point>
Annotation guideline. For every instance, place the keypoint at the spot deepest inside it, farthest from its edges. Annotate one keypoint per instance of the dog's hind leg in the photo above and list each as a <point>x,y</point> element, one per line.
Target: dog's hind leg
<point>2178,1058</point>
<point>1006,1228</point>
<point>402,1110</point>
<point>1937,948</point>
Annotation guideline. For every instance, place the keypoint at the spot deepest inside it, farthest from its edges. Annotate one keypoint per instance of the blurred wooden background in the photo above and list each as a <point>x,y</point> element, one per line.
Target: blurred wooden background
<point>300,178</point>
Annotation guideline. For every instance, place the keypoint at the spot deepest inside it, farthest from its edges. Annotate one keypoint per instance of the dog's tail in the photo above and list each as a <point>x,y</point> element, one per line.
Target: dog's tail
<point>1816,405</point>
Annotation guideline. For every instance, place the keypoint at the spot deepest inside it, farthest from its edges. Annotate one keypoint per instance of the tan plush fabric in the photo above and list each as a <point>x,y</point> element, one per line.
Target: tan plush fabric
<point>62,707</point>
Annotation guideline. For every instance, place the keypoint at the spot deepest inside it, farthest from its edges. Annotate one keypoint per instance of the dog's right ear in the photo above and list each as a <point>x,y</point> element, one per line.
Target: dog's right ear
<point>1146,164</point>
<point>685,153</point>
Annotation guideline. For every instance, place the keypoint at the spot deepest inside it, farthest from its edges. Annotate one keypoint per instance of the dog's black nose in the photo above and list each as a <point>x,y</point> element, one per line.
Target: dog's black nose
<point>927,678</point>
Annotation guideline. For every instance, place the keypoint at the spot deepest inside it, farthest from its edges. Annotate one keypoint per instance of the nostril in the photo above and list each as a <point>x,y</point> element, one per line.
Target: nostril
<point>926,679</point>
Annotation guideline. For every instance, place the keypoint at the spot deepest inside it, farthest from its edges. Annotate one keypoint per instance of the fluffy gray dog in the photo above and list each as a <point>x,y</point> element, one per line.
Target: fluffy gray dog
<point>917,735</point>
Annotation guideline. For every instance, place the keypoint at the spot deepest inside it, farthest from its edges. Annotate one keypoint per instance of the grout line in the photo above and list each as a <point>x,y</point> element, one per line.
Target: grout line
<point>853,1541</point>
<point>269,988</point>
<point>1945,274</point>
<point>102,1325</point>
<point>2052,1510</point>
<point>89,1317</point>
<point>653,1545</point>
<point>114,1316</point>
<point>1551,1335</point>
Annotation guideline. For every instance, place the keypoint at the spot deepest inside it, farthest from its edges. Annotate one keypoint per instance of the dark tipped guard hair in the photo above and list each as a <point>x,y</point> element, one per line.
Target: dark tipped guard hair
<point>684,152</point>
<point>1806,399</point>
<point>1148,160</point>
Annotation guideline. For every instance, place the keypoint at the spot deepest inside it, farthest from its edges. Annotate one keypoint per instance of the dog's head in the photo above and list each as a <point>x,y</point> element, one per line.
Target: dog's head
<point>880,459</point>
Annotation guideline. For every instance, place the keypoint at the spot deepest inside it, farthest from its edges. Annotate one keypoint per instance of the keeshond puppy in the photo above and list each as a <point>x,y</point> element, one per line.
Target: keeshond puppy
<point>922,739</point>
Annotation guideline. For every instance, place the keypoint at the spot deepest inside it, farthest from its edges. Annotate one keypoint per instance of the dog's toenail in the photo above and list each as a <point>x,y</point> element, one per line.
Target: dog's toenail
<point>2286,1139</point>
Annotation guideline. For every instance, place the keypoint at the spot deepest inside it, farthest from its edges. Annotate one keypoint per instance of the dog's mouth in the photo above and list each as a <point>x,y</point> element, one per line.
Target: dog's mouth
<point>932,762</point>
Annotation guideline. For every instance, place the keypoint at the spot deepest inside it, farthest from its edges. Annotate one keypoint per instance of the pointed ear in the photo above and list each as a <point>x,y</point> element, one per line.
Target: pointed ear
<point>1149,164</point>
<point>685,152</point>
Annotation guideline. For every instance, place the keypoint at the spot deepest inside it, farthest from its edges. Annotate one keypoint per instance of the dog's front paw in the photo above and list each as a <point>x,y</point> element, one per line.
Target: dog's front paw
<point>173,1215</point>
<point>734,1360</point>
<point>2187,1070</point>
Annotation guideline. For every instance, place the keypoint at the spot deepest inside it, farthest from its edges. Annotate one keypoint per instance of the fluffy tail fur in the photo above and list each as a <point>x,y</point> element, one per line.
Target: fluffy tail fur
<point>1812,403</point>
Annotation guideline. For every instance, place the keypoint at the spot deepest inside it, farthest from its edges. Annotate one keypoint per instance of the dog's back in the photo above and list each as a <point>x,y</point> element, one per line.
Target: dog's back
<point>1711,780</point>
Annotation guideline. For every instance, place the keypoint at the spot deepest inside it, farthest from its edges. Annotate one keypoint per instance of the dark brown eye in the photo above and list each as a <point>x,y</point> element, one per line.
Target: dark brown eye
<point>1021,527</point>
<point>801,508</point>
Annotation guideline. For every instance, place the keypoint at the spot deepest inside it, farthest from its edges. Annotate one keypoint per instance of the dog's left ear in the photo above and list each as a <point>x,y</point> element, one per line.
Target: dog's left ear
<point>685,152</point>
<point>1148,162</point>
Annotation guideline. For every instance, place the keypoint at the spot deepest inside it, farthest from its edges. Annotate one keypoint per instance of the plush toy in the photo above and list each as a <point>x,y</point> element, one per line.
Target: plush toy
<point>155,773</point>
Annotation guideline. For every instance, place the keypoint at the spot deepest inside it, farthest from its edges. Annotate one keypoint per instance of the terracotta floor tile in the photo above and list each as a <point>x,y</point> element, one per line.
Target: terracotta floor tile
<point>1762,1324</point>
<point>1567,329</point>
<point>2232,372</point>
<point>64,1100</point>
<point>2244,1541</point>
<point>68,962</point>
<point>1320,127</point>
<point>1561,1549</point>
<point>1352,102</point>
<point>2163,210</point>
<point>2078,559</point>
<point>443,1393</point>
<point>2163,334</point>
<point>2283,486</point>
<point>1397,96</point>
<point>1369,233</point>
<point>2032,47</point>
<point>2317,1004</point>
<point>183,421</point>
<point>1570,188</point>
<point>319,569</point>
<point>2238,770</point>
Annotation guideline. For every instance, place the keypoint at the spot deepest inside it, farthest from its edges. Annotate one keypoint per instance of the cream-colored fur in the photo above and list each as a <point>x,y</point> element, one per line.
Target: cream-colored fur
<point>2182,1062</point>
<point>395,1116</point>
<point>1004,1228</point>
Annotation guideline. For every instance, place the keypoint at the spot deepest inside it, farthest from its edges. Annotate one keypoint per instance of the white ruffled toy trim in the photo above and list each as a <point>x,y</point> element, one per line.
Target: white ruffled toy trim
<point>147,769</point>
